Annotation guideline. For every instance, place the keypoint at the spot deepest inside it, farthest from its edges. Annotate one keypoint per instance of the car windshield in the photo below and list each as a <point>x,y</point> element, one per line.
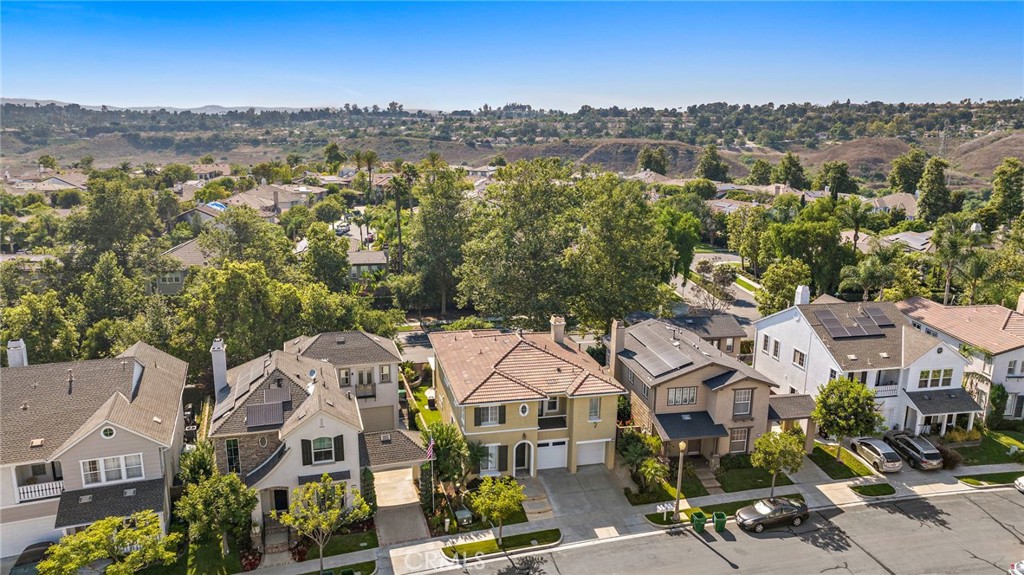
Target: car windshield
<point>932,455</point>
<point>763,507</point>
<point>891,456</point>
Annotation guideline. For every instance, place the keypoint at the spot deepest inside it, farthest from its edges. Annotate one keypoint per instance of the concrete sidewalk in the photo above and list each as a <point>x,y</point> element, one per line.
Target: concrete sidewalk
<point>313,565</point>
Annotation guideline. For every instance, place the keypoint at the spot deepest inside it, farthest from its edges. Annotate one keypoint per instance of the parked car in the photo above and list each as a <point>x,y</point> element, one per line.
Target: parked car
<point>1019,484</point>
<point>26,563</point>
<point>918,451</point>
<point>878,454</point>
<point>771,512</point>
<point>1016,569</point>
<point>341,227</point>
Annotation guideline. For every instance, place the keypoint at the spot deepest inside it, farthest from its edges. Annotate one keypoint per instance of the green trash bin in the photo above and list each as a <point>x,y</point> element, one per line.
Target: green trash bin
<point>698,519</point>
<point>719,518</point>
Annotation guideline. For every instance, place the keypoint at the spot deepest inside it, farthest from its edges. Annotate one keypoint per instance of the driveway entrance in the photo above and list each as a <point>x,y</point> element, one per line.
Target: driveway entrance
<point>399,518</point>
<point>594,499</point>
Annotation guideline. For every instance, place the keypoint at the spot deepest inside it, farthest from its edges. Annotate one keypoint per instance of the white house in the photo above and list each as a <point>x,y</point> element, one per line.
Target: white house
<point>990,336</point>
<point>916,377</point>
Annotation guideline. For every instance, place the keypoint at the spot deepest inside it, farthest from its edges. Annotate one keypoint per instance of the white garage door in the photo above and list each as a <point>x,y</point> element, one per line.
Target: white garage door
<point>590,453</point>
<point>20,534</point>
<point>551,454</point>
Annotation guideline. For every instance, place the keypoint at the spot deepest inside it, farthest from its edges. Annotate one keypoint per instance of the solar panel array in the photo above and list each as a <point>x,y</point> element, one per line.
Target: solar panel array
<point>879,316</point>
<point>659,356</point>
<point>276,395</point>
<point>263,414</point>
<point>862,327</point>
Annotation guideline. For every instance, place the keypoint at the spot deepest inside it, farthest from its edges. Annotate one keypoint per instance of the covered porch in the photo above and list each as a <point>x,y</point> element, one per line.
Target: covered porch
<point>934,412</point>
<point>696,429</point>
<point>788,411</point>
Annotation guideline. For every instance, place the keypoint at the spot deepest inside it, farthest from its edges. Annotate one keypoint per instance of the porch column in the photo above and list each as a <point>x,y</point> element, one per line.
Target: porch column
<point>970,421</point>
<point>944,418</point>
<point>811,431</point>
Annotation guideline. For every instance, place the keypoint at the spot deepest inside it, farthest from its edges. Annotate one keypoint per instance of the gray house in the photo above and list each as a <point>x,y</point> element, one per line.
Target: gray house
<point>86,440</point>
<point>187,255</point>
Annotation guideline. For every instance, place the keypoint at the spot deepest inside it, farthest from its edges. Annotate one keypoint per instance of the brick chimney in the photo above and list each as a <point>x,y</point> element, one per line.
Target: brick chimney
<point>558,329</point>
<point>17,353</point>
<point>616,343</point>
<point>218,351</point>
<point>802,296</point>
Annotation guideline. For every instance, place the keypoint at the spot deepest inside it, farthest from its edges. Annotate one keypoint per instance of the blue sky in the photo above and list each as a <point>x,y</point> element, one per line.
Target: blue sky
<point>551,55</point>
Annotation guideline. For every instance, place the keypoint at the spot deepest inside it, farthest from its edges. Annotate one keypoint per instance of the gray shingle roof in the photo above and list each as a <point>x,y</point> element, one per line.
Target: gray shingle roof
<point>943,400</point>
<point>345,348</point>
<point>367,258</point>
<point>38,402</point>
<point>189,254</point>
<point>387,448</point>
<point>711,326</point>
<point>344,475</point>
<point>692,425</point>
<point>790,406</point>
<point>109,501</point>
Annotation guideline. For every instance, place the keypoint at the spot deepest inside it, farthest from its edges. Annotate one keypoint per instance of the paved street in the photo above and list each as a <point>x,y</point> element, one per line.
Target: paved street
<point>978,532</point>
<point>744,308</point>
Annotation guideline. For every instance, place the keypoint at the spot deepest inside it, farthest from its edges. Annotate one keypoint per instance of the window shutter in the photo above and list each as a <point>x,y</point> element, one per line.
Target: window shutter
<point>476,466</point>
<point>339,448</point>
<point>503,452</point>
<point>307,452</point>
<point>478,416</point>
<point>501,415</point>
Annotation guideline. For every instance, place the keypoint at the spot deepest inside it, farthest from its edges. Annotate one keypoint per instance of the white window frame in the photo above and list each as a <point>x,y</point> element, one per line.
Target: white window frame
<point>345,377</point>
<point>732,439</point>
<point>682,395</point>
<point>103,469</point>
<point>766,343</point>
<point>385,373</point>
<point>329,450</point>
<point>776,348</point>
<point>1011,367</point>
<point>802,364</point>
<point>594,409</point>
<point>629,375</point>
<point>489,463</point>
<point>238,454</point>
<point>929,378</point>
<point>646,391</point>
<point>749,401</point>
<point>729,344</point>
<point>490,415</point>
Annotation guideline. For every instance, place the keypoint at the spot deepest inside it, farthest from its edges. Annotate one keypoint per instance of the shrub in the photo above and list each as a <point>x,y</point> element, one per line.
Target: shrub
<point>427,375</point>
<point>1011,425</point>
<point>734,461</point>
<point>961,435</point>
<point>369,490</point>
<point>951,458</point>
<point>251,559</point>
<point>299,550</point>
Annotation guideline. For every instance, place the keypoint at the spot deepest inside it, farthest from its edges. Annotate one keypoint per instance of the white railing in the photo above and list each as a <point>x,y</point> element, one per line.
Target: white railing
<point>40,491</point>
<point>891,390</point>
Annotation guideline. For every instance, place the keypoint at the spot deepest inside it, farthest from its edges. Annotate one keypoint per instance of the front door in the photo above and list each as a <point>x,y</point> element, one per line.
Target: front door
<point>523,456</point>
<point>281,500</point>
<point>693,447</point>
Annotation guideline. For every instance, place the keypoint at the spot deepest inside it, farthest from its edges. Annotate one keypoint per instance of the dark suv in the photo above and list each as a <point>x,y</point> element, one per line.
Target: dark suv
<point>918,451</point>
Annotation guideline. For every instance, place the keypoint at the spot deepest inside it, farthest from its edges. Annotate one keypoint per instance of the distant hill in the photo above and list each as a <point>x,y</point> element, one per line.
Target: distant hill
<point>209,109</point>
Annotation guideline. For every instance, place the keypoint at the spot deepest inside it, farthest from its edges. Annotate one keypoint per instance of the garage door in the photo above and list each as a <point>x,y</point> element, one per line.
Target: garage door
<point>20,534</point>
<point>378,418</point>
<point>551,454</point>
<point>590,453</point>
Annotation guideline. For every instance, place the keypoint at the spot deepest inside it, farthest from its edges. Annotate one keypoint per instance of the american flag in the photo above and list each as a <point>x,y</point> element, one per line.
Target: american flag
<point>430,449</point>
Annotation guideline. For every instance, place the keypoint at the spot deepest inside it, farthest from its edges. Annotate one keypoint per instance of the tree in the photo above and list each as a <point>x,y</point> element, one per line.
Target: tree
<point>816,243</point>
<point>451,454</point>
<point>326,257</point>
<point>846,408</point>
<point>468,322</point>
<point>651,473</point>
<point>954,242</point>
<point>836,177</point>
<point>370,161</point>
<point>175,174</point>
<point>131,543</point>
<point>295,220</point>
<point>703,187</point>
<point>711,166</point>
<point>760,173</point>
<point>776,453</point>
<point>779,283</point>
<point>333,154</point>
<point>197,465</point>
<point>907,170</point>
<point>498,161</point>
<point>329,211</point>
<point>682,230</point>
<point>997,400</point>
<point>211,192</point>
<point>241,235</point>
<point>867,275</point>
<point>934,200</point>
<point>369,489</point>
<point>320,508</point>
<point>855,214</point>
<point>498,499</point>
<point>653,159</point>
<point>977,267</point>
<point>789,172</point>
<point>47,161</point>
<point>1008,189</point>
<point>746,227</point>
<point>108,293</point>
<point>219,506</point>
<point>48,329</point>
<point>115,215</point>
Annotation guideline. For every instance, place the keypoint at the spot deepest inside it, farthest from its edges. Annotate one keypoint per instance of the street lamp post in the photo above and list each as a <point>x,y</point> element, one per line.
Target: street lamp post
<point>679,478</point>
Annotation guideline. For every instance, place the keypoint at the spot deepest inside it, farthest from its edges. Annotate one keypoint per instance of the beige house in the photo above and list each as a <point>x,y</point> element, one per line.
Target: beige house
<point>533,401</point>
<point>86,440</point>
<point>683,389</point>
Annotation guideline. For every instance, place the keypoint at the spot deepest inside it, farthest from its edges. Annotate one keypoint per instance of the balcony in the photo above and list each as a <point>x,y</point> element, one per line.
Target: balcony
<point>366,390</point>
<point>887,389</point>
<point>556,422</point>
<point>36,491</point>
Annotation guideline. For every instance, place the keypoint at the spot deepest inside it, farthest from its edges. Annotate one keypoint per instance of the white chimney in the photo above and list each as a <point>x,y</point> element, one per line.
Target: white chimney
<point>220,366</point>
<point>1020,304</point>
<point>803,295</point>
<point>558,329</point>
<point>17,354</point>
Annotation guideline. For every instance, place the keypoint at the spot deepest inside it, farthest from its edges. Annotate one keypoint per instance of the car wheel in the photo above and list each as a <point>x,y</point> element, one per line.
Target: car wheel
<point>912,463</point>
<point>878,467</point>
<point>797,521</point>
<point>759,528</point>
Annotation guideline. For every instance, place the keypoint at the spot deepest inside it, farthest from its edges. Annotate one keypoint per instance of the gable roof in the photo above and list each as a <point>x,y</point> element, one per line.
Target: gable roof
<point>391,447</point>
<point>660,350</point>
<point>994,328</point>
<point>84,506</point>
<point>344,348</point>
<point>894,346</point>
<point>890,201</point>
<point>710,325</point>
<point>489,366</point>
<point>367,257</point>
<point>39,403</point>
<point>189,254</point>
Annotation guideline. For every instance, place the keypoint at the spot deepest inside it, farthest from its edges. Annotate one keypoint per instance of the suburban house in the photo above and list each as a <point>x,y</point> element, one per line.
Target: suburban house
<point>187,255</point>
<point>86,440</point>
<point>683,389</point>
<point>366,262</point>
<point>890,202</point>
<point>210,171</point>
<point>722,330</point>
<point>200,214</point>
<point>366,364</point>
<point>532,400</point>
<point>916,377</point>
<point>990,336</point>
<point>915,242</point>
<point>268,200</point>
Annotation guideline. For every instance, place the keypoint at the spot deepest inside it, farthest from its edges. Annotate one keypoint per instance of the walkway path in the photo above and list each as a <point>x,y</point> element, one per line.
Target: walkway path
<point>399,518</point>
<point>708,480</point>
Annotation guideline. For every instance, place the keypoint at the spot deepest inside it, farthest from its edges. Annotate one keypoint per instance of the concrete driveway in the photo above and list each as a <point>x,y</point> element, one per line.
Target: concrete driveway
<point>399,518</point>
<point>593,501</point>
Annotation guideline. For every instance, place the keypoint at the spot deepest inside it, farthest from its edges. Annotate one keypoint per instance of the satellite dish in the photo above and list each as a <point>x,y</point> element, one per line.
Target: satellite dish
<point>312,373</point>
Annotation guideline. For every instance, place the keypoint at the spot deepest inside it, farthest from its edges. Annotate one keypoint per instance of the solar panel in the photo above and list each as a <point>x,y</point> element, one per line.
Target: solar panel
<point>831,324</point>
<point>856,331</point>
<point>667,355</point>
<point>870,327</point>
<point>263,414</point>
<point>879,316</point>
<point>276,395</point>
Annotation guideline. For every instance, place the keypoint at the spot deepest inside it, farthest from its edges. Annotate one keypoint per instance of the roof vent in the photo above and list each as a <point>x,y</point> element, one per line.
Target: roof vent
<point>85,499</point>
<point>38,442</point>
<point>385,438</point>
<point>129,492</point>
<point>341,340</point>
<point>329,402</point>
<point>926,396</point>
<point>24,406</point>
<point>157,420</point>
<point>685,417</point>
<point>851,357</point>
<point>884,354</point>
<point>952,395</point>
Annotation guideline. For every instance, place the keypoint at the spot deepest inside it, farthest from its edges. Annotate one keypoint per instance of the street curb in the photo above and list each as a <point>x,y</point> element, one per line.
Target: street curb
<point>983,487</point>
<point>523,550</point>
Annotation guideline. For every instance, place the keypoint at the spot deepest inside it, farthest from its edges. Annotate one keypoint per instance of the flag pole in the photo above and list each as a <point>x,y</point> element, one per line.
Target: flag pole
<point>433,489</point>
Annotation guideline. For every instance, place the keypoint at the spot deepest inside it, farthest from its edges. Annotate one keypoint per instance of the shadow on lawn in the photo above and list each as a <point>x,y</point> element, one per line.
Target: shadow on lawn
<point>920,510</point>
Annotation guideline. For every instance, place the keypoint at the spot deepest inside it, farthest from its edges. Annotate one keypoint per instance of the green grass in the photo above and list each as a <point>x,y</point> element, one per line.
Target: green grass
<point>874,490</point>
<point>735,480</point>
<point>408,328</point>
<point>348,543</point>
<point>427,416</point>
<point>993,449</point>
<point>824,456</point>
<point>509,543</point>
<point>201,559</point>
<point>517,517</point>
<point>991,478</point>
<point>745,284</point>
<point>692,487</point>
<point>364,568</point>
<point>729,509</point>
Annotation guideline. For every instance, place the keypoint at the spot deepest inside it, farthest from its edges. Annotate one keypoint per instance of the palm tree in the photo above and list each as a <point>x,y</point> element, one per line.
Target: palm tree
<point>954,242</point>
<point>869,274</point>
<point>651,472</point>
<point>855,214</point>
<point>371,160</point>
<point>360,219</point>
<point>396,188</point>
<point>974,270</point>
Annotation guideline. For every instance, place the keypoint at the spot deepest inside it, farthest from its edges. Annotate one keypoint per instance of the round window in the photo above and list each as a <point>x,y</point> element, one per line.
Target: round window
<point>107,432</point>
<point>938,350</point>
<point>524,410</point>
<point>263,441</point>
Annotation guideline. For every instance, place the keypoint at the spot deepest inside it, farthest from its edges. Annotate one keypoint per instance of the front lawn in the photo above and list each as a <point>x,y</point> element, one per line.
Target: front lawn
<point>745,284</point>
<point>364,568</point>
<point>993,449</point>
<point>427,416</point>
<point>201,559</point>
<point>735,480</point>
<point>991,478</point>
<point>874,490</point>
<point>509,543</point>
<point>665,491</point>
<point>824,456</point>
<point>347,543</point>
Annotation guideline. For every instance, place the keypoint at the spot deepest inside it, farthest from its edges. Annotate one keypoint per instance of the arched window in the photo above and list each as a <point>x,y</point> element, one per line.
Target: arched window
<point>323,450</point>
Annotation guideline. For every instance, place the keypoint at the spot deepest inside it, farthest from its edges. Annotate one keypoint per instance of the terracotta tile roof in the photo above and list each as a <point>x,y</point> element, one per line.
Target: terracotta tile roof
<point>488,366</point>
<point>994,328</point>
